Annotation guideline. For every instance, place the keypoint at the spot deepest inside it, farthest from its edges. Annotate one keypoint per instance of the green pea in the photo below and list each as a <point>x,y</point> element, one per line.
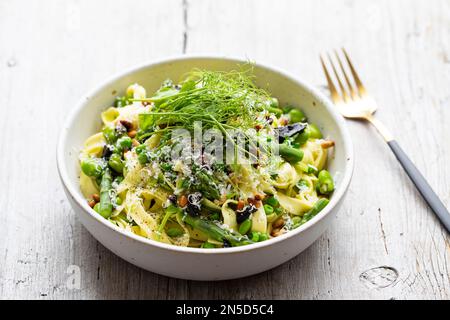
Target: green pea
<point>263,237</point>
<point>245,226</point>
<point>296,222</point>
<point>325,184</point>
<point>119,201</point>
<point>296,116</point>
<point>324,174</point>
<point>92,167</point>
<point>208,245</point>
<point>124,143</point>
<point>254,236</point>
<point>268,209</point>
<point>143,158</point>
<point>278,211</point>
<point>314,131</point>
<point>140,148</point>
<point>174,232</point>
<point>110,134</point>
<point>116,163</point>
<point>272,201</point>
<point>96,207</point>
<point>290,154</point>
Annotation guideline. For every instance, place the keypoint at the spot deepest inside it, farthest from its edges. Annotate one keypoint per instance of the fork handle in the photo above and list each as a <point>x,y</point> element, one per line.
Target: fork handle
<point>421,184</point>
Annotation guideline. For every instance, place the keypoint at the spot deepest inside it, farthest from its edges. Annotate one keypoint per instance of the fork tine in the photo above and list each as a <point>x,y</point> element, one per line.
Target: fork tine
<point>341,86</point>
<point>334,93</point>
<point>361,88</point>
<point>347,80</point>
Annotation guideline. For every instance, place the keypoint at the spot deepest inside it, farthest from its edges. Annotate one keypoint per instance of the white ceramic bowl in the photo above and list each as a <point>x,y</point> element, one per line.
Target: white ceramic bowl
<point>193,263</point>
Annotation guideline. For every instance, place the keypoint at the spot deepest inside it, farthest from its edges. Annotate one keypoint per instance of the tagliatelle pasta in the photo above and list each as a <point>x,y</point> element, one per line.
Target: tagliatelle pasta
<point>211,162</point>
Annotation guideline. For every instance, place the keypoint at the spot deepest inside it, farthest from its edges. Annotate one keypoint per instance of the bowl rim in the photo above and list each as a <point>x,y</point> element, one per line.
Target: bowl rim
<point>321,98</point>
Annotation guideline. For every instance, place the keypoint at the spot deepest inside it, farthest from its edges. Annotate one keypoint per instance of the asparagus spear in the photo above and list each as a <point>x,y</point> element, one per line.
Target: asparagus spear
<point>105,206</point>
<point>214,231</point>
<point>318,206</point>
<point>207,186</point>
<point>211,205</point>
<point>290,154</point>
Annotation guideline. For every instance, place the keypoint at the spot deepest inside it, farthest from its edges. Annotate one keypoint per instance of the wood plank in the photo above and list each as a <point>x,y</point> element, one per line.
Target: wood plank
<point>400,49</point>
<point>63,49</point>
<point>53,51</point>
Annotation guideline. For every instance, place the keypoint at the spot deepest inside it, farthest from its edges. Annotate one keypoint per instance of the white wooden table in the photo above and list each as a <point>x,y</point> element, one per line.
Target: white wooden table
<point>52,52</point>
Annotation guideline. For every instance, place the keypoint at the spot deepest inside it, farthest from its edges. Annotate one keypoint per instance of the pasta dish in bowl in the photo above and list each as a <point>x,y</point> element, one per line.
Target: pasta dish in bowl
<point>157,168</point>
<point>204,162</point>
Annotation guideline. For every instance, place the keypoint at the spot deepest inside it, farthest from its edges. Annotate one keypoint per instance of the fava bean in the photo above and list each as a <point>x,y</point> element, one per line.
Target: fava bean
<point>110,134</point>
<point>245,226</point>
<point>325,184</point>
<point>296,116</point>
<point>272,201</point>
<point>92,167</point>
<point>301,138</point>
<point>124,143</point>
<point>314,131</point>
<point>116,163</point>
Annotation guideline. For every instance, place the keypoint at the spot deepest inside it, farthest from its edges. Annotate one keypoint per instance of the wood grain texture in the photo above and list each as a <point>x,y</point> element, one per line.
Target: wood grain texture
<point>384,243</point>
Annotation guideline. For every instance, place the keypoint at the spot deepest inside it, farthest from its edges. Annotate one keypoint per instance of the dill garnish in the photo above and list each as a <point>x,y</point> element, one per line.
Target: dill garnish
<point>225,100</point>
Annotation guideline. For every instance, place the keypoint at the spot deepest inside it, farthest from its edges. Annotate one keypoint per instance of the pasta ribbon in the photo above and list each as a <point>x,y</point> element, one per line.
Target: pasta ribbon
<point>93,146</point>
<point>161,190</point>
<point>293,205</point>
<point>131,113</point>
<point>286,176</point>
<point>259,220</point>
<point>153,141</point>
<point>156,197</point>
<point>135,210</point>
<point>314,154</point>
<point>88,186</point>
<point>109,116</point>
<point>229,215</point>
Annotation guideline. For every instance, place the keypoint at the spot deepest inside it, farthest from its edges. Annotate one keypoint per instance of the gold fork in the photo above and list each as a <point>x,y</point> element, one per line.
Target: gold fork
<point>354,102</point>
